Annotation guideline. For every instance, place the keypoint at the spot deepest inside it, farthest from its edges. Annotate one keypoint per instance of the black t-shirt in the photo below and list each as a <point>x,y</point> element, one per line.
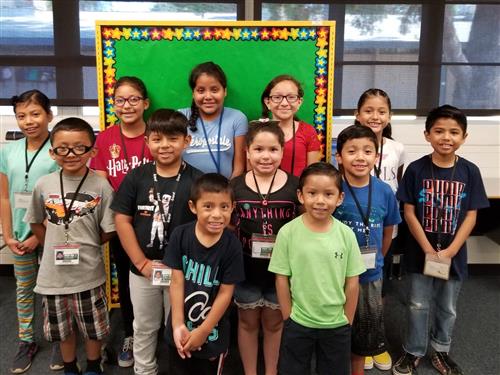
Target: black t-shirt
<point>136,198</point>
<point>205,269</point>
<point>251,216</point>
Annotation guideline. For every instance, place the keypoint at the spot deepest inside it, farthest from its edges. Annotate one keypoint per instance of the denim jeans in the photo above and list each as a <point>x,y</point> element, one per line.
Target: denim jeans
<point>432,303</point>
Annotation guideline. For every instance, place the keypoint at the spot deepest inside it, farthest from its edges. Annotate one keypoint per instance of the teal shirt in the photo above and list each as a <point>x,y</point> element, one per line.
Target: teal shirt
<point>317,265</point>
<point>13,165</point>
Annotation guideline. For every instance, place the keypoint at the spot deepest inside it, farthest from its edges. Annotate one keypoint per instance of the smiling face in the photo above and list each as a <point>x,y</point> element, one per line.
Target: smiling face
<point>265,153</point>
<point>129,114</point>
<point>71,164</point>
<point>33,120</point>
<point>320,196</point>
<point>167,149</point>
<point>375,114</point>
<point>208,95</point>
<point>357,158</point>
<point>213,211</point>
<point>284,110</point>
<point>445,136</point>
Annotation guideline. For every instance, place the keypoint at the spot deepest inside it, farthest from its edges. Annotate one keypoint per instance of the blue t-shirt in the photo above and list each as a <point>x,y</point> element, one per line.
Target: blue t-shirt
<point>465,193</point>
<point>384,212</point>
<point>234,123</point>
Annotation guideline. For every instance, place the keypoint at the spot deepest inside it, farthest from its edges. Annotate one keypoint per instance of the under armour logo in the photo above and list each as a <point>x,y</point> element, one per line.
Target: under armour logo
<point>338,255</point>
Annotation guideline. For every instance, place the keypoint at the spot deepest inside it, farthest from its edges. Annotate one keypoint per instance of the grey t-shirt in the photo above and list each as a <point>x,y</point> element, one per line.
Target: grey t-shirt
<point>90,213</point>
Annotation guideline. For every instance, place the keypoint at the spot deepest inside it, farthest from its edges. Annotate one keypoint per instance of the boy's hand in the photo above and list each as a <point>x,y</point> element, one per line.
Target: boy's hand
<point>195,341</point>
<point>13,245</point>
<point>147,269</point>
<point>446,253</point>
<point>181,335</point>
<point>30,244</point>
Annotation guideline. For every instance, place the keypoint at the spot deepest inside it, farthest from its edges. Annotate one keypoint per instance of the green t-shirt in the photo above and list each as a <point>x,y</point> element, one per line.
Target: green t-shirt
<point>13,165</point>
<point>317,265</point>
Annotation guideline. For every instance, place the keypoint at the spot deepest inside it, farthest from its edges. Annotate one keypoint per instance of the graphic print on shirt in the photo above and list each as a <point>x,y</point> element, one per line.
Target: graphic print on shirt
<point>157,225</point>
<point>445,196</point>
<point>199,144</point>
<point>117,164</point>
<point>84,204</point>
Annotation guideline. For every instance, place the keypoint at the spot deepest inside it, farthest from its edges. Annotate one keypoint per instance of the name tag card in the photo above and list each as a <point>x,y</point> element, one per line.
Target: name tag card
<point>262,245</point>
<point>369,255</point>
<point>22,199</point>
<point>437,267</point>
<point>67,255</point>
<point>161,275</point>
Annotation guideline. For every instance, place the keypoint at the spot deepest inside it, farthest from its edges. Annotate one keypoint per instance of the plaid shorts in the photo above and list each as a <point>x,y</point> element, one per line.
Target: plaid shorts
<point>88,309</point>
<point>368,332</point>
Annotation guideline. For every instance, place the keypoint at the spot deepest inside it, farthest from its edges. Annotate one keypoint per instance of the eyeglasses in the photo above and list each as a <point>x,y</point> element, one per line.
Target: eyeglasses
<point>133,101</point>
<point>77,150</point>
<point>290,98</point>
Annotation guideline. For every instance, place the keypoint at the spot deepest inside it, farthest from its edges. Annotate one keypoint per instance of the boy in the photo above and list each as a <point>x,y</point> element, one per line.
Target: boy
<point>317,262</point>
<point>70,213</point>
<point>207,261</point>
<point>153,196</point>
<point>371,210</point>
<point>441,193</point>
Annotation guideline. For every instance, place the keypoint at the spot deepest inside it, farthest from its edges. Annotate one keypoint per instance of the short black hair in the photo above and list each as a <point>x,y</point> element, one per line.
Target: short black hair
<point>73,124</point>
<point>446,111</point>
<point>355,132</point>
<point>321,169</point>
<point>167,122</point>
<point>32,96</point>
<point>257,126</point>
<point>210,183</point>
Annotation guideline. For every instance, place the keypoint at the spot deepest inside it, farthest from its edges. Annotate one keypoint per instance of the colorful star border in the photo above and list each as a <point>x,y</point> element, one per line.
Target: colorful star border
<point>319,34</point>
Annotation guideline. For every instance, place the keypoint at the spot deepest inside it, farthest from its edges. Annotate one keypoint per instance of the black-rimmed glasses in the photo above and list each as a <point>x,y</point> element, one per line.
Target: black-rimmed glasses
<point>290,98</point>
<point>77,150</point>
<point>132,100</point>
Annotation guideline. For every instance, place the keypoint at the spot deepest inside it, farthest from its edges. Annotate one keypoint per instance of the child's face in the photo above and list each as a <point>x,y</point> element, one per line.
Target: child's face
<point>283,110</point>
<point>374,113</point>
<point>446,136</point>
<point>265,153</point>
<point>213,211</point>
<point>32,119</point>
<point>167,149</point>
<point>70,163</point>
<point>358,157</point>
<point>320,197</point>
<point>127,113</point>
<point>208,95</point>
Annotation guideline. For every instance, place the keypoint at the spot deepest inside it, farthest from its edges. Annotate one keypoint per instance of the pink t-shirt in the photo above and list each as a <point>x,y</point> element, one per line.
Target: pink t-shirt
<point>113,154</point>
<point>306,140</point>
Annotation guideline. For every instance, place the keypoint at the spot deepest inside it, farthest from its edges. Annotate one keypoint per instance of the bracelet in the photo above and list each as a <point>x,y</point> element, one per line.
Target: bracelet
<point>143,265</point>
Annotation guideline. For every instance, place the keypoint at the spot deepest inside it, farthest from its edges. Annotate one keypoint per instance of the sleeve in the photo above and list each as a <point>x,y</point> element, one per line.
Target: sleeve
<point>406,185</point>
<point>107,216</point>
<point>125,198</point>
<point>232,266</point>
<point>402,154</point>
<point>280,258</point>
<point>478,197</point>
<point>355,264</point>
<point>35,214</point>
<point>173,253</point>
<point>393,216</point>
<point>98,162</point>
<point>240,124</point>
<point>312,140</point>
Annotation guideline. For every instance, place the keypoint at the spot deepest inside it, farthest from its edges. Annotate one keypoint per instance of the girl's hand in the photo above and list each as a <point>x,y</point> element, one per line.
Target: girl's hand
<point>30,244</point>
<point>13,245</point>
<point>181,336</point>
<point>195,341</point>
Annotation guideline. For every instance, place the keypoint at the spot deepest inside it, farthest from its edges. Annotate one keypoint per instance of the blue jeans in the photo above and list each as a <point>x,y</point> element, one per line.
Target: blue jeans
<point>431,302</point>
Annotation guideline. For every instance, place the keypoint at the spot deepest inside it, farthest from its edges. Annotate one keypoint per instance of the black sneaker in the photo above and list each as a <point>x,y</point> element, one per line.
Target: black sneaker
<point>406,365</point>
<point>442,362</point>
<point>24,356</point>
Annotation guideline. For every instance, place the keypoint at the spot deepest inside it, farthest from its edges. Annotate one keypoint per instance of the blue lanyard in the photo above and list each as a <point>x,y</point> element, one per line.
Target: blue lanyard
<point>216,162</point>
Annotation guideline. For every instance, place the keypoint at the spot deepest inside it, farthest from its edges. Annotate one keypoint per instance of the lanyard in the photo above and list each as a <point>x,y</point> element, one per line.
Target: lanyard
<point>293,149</point>
<point>28,165</point>
<point>166,217</point>
<point>129,163</point>
<point>379,168</point>
<point>216,162</point>
<point>67,210</point>
<point>440,205</point>
<point>264,199</point>
<point>366,218</point>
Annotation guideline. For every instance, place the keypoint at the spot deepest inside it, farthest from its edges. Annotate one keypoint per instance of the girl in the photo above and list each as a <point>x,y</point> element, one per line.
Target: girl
<point>283,97</point>
<point>218,132</point>
<point>374,111</point>
<point>122,148</point>
<point>21,164</point>
<point>266,199</point>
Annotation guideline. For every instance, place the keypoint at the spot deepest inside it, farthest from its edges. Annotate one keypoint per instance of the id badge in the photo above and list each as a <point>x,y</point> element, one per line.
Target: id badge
<point>369,255</point>
<point>22,199</point>
<point>67,255</point>
<point>161,275</point>
<point>437,267</point>
<point>262,245</point>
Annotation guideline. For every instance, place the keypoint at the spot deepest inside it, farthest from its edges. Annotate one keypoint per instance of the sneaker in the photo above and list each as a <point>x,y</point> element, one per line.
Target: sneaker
<point>56,361</point>
<point>24,356</point>
<point>406,365</point>
<point>442,362</point>
<point>368,363</point>
<point>126,357</point>
<point>383,361</point>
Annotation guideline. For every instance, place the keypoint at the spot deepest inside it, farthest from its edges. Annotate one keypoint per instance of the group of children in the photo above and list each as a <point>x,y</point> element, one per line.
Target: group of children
<point>209,210</point>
